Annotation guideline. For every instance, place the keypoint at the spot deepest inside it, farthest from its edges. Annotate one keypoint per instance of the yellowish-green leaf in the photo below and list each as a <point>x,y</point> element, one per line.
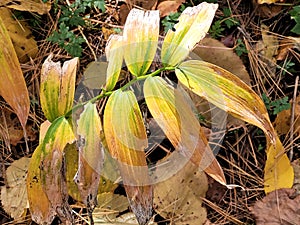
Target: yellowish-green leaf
<point>46,184</point>
<point>229,93</point>
<point>176,118</point>
<point>27,5</point>
<point>89,132</point>
<point>12,84</point>
<point>21,36</point>
<point>14,195</point>
<point>126,139</point>
<point>278,172</point>
<point>193,24</point>
<point>140,40</point>
<point>114,55</point>
<point>94,75</point>
<point>57,87</point>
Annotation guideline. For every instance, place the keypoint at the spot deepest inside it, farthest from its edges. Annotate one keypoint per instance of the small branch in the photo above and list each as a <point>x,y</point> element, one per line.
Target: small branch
<point>293,118</point>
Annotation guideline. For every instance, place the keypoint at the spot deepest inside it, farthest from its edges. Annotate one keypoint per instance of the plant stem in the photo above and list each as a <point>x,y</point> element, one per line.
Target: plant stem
<point>105,93</point>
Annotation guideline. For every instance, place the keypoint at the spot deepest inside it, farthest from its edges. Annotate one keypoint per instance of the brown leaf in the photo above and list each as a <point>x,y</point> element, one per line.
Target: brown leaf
<point>179,197</point>
<point>279,207</point>
<point>27,5</point>
<point>12,84</point>
<point>167,7</point>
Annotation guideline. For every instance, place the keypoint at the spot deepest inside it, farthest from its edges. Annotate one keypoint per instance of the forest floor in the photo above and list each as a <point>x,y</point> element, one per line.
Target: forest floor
<point>257,42</point>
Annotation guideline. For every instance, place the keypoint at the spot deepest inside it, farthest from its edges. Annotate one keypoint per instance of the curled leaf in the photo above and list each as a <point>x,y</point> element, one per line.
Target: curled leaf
<point>192,26</point>
<point>57,87</point>
<point>126,139</point>
<point>140,40</point>
<point>90,154</point>
<point>114,54</point>
<point>46,184</point>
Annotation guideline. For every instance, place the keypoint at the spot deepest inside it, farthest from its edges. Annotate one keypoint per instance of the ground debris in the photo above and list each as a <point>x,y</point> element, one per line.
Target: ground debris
<point>279,207</point>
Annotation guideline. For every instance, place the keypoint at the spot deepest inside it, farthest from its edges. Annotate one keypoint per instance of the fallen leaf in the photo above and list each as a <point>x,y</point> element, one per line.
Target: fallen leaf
<point>14,195</point>
<point>145,4</point>
<point>279,207</point>
<point>178,198</point>
<point>21,36</point>
<point>282,123</point>
<point>267,1</point>
<point>12,84</point>
<point>167,7</point>
<point>28,5</point>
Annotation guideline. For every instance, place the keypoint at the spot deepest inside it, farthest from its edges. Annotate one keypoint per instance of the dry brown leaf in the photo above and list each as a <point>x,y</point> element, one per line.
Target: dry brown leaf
<point>279,207</point>
<point>179,197</point>
<point>14,195</point>
<point>12,83</point>
<point>282,123</point>
<point>28,5</point>
<point>167,7</point>
<point>21,37</point>
<point>145,4</point>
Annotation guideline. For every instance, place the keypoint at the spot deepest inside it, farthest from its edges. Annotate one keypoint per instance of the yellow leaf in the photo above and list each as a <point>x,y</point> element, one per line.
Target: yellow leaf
<point>12,84</point>
<point>46,184</point>
<point>114,54</point>
<point>229,93</point>
<point>194,22</point>
<point>278,172</point>
<point>14,195</point>
<point>140,40</point>
<point>175,117</point>
<point>27,5</point>
<point>21,36</point>
<point>126,140</point>
<point>267,1</point>
<point>91,154</point>
<point>57,87</point>
<point>94,75</point>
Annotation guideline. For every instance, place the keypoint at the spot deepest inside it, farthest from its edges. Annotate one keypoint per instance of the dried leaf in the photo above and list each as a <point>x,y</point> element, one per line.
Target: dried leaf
<point>57,87</point>
<point>46,184</point>
<point>28,5</point>
<point>169,6</point>
<point>140,40</point>
<point>229,93</point>
<point>21,36</point>
<point>14,195</point>
<point>12,84</point>
<point>279,207</point>
<point>193,24</point>
<point>175,117</point>
<point>91,155</point>
<point>126,140</point>
<point>179,198</point>
<point>267,1</point>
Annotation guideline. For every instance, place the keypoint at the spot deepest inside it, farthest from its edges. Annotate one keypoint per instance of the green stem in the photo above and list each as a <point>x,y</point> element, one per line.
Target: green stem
<point>108,93</point>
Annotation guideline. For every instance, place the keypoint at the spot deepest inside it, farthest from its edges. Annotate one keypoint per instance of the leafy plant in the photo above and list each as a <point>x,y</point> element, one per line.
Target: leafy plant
<point>240,47</point>
<point>295,15</point>
<point>276,106</point>
<point>121,130</point>
<point>217,28</point>
<point>71,17</point>
<point>169,21</point>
